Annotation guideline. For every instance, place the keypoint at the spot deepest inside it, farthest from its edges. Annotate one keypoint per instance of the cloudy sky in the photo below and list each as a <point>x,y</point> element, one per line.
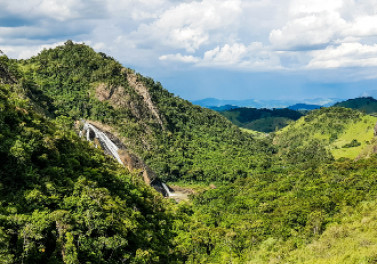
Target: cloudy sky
<point>229,49</point>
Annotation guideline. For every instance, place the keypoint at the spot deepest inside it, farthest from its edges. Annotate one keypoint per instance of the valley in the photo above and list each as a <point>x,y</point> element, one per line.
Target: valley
<point>100,164</point>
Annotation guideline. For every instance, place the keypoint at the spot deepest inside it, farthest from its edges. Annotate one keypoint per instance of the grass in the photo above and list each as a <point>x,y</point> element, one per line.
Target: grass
<point>362,131</point>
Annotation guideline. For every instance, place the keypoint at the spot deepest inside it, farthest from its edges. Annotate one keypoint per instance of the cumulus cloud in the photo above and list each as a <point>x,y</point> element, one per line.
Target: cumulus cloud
<point>180,58</point>
<point>238,56</point>
<point>238,34</point>
<point>190,25</point>
<point>345,55</point>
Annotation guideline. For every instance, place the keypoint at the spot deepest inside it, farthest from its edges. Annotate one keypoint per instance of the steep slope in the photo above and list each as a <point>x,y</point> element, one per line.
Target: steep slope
<point>366,105</point>
<point>177,140</point>
<point>343,132</point>
<point>62,201</point>
<point>262,120</point>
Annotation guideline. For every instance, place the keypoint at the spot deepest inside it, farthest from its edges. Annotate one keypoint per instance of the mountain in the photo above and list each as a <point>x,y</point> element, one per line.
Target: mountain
<point>253,103</point>
<point>63,201</point>
<point>164,131</point>
<point>222,108</point>
<point>262,120</point>
<point>367,105</point>
<point>84,140</point>
<point>298,107</point>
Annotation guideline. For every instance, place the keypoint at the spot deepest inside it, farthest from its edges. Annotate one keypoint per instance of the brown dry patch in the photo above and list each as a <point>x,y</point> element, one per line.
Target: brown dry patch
<point>116,95</point>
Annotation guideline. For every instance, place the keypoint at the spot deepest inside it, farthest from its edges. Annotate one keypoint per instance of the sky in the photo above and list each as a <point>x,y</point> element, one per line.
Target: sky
<point>227,49</point>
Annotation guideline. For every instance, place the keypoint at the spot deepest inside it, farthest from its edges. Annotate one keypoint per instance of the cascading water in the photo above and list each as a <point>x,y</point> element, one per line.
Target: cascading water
<point>91,132</point>
<point>166,188</point>
<point>105,142</point>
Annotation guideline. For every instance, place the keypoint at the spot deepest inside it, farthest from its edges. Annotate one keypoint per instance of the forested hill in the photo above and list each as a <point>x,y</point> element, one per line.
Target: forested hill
<point>303,196</point>
<point>178,140</point>
<point>367,105</point>
<point>63,201</point>
<point>338,131</point>
<point>262,120</point>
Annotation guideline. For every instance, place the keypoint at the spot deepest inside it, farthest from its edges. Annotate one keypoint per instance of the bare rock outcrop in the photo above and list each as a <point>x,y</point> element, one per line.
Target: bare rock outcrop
<point>142,90</point>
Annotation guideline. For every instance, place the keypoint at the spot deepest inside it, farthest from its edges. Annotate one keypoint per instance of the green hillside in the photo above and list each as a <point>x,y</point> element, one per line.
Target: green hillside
<point>178,140</point>
<point>304,194</point>
<point>262,120</point>
<point>62,201</point>
<point>343,132</point>
<point>366,105</point>
<point>290,215</point>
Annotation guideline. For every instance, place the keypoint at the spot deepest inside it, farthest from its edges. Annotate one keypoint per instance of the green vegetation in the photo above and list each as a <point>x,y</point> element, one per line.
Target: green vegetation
<point>62,201</point>
<point>366,105</point>
<point>343,132</point>
<point>294,196</point>
<point>194,143</point>
<point>265,218</point>
<point>262,120</point>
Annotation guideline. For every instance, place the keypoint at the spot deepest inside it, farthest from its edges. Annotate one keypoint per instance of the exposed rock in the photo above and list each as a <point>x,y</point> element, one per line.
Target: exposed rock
<point>128,159</point>
<point>143,91</point>
<point>375,130</point>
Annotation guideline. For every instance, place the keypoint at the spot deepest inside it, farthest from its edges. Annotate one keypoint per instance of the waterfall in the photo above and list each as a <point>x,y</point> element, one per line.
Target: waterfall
<point>166,188</point>
<point>112,149</point>
<point>106,143</point>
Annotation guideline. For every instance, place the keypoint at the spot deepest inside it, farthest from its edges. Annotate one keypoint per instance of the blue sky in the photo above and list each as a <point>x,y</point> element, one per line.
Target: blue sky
<point>228,49</point>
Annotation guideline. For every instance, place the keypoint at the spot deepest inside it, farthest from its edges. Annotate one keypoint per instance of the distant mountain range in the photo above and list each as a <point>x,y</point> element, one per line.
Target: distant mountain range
<point>298,107</point>
<point>214,102</point>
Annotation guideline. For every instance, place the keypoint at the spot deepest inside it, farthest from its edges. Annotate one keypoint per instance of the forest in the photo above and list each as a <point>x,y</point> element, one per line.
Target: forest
<point>305,193</point>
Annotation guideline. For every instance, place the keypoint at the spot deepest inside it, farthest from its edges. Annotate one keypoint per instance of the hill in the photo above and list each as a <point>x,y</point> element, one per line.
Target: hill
<point>262,120</point>
<point>341,131</point>
<point>367,105</point>
<point>178,140</point>
<point>63,201</point>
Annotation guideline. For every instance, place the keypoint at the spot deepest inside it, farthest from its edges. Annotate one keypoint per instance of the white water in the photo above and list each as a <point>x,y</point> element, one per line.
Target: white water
<point>110,147</point>
<point>106,142</point>
<point>166,188</point>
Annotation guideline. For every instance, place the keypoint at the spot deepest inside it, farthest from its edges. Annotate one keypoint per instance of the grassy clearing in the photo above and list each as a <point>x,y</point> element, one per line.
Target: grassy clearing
<point>361,131</point>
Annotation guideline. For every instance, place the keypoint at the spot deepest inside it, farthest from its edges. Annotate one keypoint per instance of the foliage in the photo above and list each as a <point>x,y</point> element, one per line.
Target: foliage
<point>265,217</point>
<point>196,144</point>
<point>262,120</point>
<point>328,129</point>
<point>366,105</point>
<point>62,201</point>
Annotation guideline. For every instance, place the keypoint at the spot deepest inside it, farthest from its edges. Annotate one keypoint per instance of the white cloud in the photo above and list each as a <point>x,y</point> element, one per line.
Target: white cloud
<point>308,31</point>
<point>236,56</point>
<point>345,55</point>
<point>179,57</point>
<point>252,57</point>
<point>26,51</point>
<point>238,34</point>
<point>190,25</point>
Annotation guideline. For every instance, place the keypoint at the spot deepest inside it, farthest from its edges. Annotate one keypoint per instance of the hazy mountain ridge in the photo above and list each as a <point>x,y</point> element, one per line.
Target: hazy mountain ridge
<point>253,103</point>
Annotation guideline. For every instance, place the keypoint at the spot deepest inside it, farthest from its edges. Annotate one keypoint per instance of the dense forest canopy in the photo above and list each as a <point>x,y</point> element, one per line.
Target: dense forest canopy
<point>294,196</point>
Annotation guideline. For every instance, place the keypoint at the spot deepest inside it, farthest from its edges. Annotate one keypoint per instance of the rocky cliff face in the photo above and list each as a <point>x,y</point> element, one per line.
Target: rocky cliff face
<point>143,91</point>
